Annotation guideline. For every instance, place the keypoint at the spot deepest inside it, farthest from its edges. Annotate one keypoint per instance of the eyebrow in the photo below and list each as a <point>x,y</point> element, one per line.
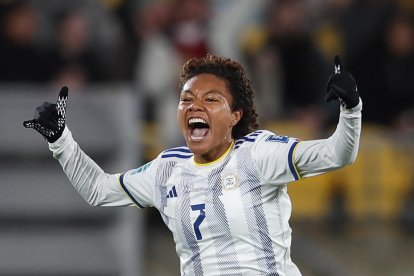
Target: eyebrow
<point>207,93</point>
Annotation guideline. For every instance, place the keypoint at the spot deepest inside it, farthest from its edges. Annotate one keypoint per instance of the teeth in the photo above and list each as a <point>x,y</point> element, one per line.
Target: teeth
<point>196,120</point>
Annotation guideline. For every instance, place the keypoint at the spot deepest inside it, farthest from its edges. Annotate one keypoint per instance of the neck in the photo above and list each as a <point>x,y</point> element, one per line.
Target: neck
<point>208,158</point>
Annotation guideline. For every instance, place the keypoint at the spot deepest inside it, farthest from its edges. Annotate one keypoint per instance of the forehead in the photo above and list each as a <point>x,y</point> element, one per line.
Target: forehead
<point>204,83</point>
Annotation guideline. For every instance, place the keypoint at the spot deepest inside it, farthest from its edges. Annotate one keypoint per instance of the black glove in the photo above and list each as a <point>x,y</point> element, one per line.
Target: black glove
<point>49,119</point>
<point>342,85</point>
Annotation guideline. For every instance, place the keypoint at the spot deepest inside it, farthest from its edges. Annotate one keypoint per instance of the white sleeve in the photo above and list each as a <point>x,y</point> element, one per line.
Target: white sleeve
<point>93,184</point>
<point>139,184</point>
<point>273,155</point>
<point>318,156</point>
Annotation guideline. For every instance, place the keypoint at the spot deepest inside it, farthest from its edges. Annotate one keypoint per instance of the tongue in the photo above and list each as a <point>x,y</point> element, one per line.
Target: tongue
<point>199,133</point>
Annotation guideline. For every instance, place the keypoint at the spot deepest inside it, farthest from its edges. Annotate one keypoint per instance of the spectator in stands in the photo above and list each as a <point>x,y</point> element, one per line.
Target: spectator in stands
<point>189,33</point>
<point>169,34</point>
<point>379,45</point>
<point>362,24</point>
<point>71,59</point>
<point>399,70</point>
<point>288,67</point>
<point>20,59</point>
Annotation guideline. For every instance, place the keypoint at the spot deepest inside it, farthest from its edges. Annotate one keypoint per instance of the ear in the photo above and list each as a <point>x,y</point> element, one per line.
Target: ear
<point>236,116</point>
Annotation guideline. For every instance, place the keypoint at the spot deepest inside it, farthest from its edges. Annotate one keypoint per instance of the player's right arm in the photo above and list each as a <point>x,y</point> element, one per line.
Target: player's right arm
<point>96,187</point>
<point>93,184</point>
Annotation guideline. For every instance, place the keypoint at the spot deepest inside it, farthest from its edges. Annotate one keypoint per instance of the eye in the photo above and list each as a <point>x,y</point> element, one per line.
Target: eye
<point>185,99</point>
<point>211,100</point>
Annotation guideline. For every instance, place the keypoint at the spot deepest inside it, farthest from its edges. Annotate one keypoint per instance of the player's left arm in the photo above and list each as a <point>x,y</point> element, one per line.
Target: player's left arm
<point>318,156</point>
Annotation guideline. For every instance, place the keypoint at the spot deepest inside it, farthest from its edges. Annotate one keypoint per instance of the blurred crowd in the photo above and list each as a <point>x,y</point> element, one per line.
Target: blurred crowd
<point>287,46</point>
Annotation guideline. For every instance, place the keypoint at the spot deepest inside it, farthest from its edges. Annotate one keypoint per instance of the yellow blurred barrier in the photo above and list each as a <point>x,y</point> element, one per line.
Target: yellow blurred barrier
<point>375,186</point>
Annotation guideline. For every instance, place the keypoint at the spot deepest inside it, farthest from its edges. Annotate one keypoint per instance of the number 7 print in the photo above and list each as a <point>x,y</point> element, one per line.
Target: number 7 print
<point>199,220</point>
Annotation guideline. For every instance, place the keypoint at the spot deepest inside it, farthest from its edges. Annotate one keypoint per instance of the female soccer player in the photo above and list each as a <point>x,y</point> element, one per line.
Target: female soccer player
<point>223,195</point>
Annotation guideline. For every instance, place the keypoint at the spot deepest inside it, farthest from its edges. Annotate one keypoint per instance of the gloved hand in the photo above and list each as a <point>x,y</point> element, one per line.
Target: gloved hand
<point>49,119</point>
<point>341,85</point>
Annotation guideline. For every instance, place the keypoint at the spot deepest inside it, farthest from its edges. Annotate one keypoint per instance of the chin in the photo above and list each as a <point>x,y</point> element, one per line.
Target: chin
<point>197,147</point>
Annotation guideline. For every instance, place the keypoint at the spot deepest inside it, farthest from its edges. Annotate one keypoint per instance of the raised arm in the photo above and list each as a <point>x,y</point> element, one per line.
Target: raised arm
<point>318,156</point>
<point>96,187</point>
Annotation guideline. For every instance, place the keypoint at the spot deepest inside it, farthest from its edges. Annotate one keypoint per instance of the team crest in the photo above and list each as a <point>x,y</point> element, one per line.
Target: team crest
<point>230,181</point>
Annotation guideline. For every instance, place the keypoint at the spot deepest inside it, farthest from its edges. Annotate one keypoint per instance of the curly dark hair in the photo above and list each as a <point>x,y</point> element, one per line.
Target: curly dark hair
<point>240,87</point>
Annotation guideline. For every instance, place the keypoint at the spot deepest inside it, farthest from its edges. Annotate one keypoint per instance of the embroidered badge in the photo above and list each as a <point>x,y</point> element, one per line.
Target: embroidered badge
<point>230,181</point>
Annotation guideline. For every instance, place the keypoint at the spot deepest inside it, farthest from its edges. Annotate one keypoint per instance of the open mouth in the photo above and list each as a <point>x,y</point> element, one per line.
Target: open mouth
<point>198,128</point>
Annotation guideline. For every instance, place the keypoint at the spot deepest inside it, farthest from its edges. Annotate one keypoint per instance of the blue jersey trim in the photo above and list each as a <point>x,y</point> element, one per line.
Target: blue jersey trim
<point>248,138</point>
<point>181,149</point>
<point>256,133</point>
<point>291,162</point>
<point>176,155</point>
<point>178,152</point>
<point>121,180</point>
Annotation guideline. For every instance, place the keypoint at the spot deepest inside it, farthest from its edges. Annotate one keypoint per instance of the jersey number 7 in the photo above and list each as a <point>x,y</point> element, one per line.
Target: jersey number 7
<point>199,220</point>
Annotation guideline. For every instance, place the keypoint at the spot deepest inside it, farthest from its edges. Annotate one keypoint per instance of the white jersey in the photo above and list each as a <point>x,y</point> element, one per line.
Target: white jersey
<point>228,217</point>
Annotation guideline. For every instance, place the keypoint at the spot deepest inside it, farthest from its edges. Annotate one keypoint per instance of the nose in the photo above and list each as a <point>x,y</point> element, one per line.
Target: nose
<point>196,105</point>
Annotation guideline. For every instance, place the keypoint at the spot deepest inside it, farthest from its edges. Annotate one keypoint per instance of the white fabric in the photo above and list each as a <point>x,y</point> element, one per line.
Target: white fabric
<point>229,217</point>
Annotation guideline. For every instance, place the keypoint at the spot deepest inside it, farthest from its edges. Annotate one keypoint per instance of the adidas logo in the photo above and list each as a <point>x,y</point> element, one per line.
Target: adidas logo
<point>172,192</point>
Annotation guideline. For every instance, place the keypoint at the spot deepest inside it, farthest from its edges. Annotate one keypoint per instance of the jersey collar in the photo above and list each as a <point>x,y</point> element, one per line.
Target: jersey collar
<point>215,161</point>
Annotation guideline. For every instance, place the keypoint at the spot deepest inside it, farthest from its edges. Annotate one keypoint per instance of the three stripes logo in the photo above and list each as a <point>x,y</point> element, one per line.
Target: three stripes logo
<point>172,192</point>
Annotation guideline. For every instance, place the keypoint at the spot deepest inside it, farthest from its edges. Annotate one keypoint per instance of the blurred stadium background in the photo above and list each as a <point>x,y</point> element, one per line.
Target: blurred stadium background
<point>121,61</point>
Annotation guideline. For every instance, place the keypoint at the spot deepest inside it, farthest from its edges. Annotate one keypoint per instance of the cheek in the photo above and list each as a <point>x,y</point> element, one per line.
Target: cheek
<point>228,113</point>
<point>226,107</point>
<point>223,118</point>
<point>180,115</point>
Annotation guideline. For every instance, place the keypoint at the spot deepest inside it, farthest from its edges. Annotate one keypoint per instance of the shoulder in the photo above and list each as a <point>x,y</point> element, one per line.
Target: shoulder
<point>167,158</point>
<point>252,138</point>
<point>177,154</point>
<point>264,140</point>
